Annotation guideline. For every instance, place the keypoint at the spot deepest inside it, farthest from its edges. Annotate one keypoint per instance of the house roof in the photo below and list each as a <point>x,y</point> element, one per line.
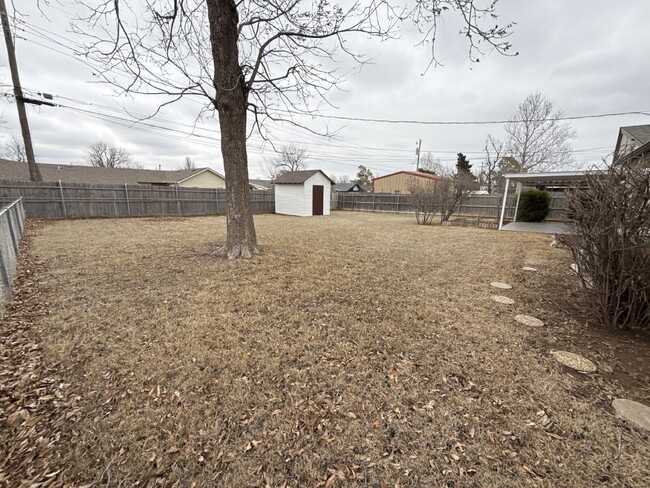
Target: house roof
<point>347,186</point>
<point>12,170</point>
<point>260,184</point>
<point>298,177</point>
<point>412,173</point>
<point>639,132</point>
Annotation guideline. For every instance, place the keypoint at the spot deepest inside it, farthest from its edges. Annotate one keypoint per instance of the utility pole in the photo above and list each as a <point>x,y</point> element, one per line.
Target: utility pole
<point>417,150</point>
<point>34,171</point>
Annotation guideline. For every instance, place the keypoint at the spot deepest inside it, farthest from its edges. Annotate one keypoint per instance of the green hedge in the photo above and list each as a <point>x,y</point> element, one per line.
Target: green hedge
<point>534,206</point>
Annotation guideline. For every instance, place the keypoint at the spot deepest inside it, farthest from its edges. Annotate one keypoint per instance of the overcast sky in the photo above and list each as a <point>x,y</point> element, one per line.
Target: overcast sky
<point>588,56</point>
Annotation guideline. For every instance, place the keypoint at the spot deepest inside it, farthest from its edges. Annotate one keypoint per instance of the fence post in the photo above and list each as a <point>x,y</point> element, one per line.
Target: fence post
<point>65,213</point>
<point>398,202</point>
<point>178,202</point>
<point>126,194</point>
<point>12,231</point>
<point>373,202</point>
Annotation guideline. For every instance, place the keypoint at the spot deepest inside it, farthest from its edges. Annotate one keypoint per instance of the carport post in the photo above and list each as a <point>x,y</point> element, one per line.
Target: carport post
<point>519,188</point>
<point>503,206</point>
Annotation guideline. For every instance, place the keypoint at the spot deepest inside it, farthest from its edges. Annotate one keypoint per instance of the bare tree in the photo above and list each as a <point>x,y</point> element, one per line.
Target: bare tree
<point>103,155</point>
<point>432,165</point>
<point>14,150</point>
<point>342,179</point>
<point>263,57</point>
<point>494,151</point>
<point>289,158</point>
<point>537,137</point>
<point>187,164</point>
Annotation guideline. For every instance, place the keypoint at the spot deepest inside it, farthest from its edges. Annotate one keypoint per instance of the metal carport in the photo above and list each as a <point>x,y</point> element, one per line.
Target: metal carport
<point>550,178</point>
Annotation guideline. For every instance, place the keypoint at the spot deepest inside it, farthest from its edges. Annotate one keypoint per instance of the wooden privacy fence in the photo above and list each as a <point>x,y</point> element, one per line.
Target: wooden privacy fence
<point>56,200</point>
<point>483,206</point>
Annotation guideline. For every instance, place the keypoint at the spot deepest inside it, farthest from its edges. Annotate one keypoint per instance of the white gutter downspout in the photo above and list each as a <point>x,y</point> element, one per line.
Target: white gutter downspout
<point>503,206</point>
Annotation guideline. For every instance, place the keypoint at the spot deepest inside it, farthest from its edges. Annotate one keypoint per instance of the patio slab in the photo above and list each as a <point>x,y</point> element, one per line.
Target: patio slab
<point>538,227</point>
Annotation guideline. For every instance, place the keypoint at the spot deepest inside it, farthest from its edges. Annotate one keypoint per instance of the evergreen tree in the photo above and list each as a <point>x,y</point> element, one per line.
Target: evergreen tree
<point>462,164</point>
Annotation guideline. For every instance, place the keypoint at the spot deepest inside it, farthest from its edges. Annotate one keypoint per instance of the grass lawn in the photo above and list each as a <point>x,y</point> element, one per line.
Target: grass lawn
<point>358,349</point>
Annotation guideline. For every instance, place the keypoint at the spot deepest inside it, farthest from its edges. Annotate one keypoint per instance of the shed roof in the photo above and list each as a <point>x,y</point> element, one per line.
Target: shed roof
<point>17,171</point>
<point>298,177</point>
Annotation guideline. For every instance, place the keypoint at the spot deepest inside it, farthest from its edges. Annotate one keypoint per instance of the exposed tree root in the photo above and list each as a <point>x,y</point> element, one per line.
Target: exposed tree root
<point>238,251</point>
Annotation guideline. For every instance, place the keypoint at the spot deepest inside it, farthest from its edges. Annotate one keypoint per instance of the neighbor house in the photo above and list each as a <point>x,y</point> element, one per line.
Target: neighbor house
<point>196,178</point>
<point>633,142</point>
<point>399,183</point>
<point>349,187</point>
<point>260,184</point>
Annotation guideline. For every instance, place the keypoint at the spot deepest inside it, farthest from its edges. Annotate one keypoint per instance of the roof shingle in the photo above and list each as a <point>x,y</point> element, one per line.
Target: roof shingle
<point>297,177</point>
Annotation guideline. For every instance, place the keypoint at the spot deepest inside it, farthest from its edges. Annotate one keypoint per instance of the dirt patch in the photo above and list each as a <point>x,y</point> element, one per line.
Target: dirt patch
<point>358,349</point>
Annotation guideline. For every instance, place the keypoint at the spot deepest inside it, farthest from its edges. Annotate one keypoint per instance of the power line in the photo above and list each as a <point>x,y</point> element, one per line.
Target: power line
<point>470,122</point>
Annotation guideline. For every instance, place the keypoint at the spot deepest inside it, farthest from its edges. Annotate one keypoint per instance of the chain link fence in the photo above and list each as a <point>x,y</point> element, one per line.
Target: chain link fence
<point>12,223</point>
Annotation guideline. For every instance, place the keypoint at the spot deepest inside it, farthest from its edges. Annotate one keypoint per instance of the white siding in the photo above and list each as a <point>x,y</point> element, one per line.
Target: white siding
<point>290,200</point>
<point>206,179</point>
<point>297,199</point>
<point>318,179</point>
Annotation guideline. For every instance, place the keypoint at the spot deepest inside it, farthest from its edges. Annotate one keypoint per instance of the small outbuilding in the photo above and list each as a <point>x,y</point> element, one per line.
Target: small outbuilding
<point>303,193</point>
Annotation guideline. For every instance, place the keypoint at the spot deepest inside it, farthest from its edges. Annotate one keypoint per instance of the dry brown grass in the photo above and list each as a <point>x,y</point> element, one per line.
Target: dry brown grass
<point>358,350</point>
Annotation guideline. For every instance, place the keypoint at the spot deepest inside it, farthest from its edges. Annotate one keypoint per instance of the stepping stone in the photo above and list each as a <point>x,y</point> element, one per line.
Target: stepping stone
<point>529,320</point>
<point>502,299</point>
<point>528,268</point>
<point>501,286</point>
<point>575,361</point>
<point>634,412</point>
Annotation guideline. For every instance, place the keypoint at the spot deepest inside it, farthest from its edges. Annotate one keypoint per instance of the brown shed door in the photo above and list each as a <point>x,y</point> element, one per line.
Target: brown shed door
<point>317,200</point>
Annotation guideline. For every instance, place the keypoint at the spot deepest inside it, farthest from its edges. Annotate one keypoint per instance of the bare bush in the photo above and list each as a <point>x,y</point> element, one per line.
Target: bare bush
<point>611,214</point>
<point>439,196</point>
<point>424,199</point>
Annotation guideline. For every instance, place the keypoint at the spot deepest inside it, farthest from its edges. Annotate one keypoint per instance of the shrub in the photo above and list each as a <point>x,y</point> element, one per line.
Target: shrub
<point>611,245</point>
<point>534,206</point>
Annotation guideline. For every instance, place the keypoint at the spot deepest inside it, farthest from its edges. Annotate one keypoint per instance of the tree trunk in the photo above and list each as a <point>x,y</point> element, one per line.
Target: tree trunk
<point>231,104</point>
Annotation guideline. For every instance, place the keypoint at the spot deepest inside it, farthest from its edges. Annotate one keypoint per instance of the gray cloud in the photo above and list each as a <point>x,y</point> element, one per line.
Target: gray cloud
<point>587,56</point>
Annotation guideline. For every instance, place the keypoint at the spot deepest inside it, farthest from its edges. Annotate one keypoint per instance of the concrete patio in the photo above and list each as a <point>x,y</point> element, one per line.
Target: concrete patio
<point>538,227</point>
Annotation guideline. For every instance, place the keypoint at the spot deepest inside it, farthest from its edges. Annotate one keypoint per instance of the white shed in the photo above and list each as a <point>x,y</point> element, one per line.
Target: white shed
<point>303,193</point>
